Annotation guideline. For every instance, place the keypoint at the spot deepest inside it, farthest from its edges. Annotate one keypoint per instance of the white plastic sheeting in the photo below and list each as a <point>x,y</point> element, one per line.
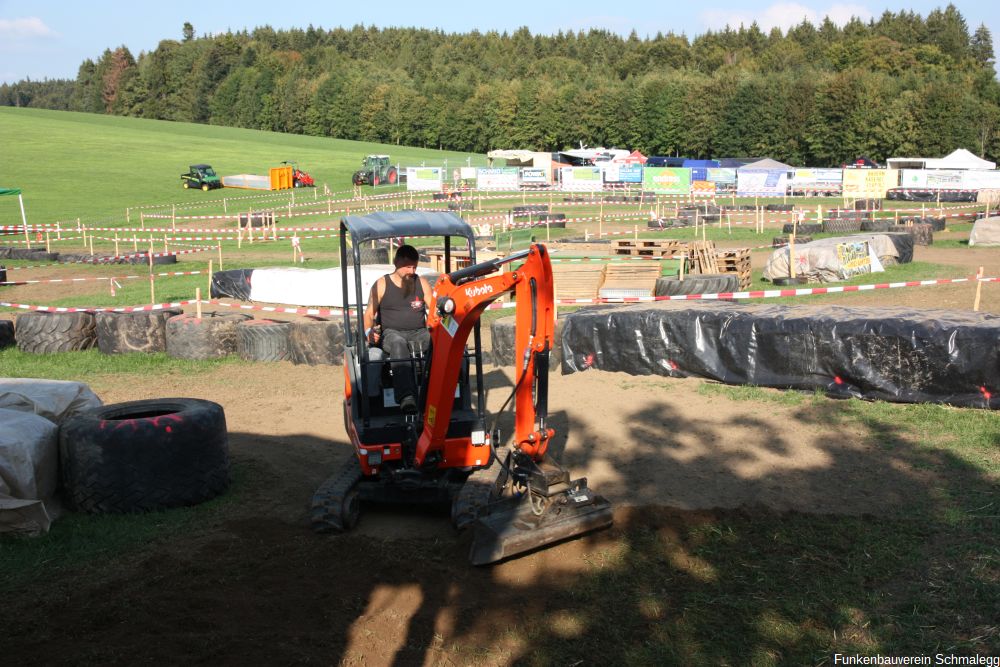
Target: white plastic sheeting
<point>833,259</point>
<point>30,412</point>
<point>986,232</point>
<point>315,287</point>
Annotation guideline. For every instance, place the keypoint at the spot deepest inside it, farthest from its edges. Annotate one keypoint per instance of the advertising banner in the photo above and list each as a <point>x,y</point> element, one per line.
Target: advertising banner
<point>534,176</point>
<point>667,180</point>
<point>424,178</point>
<point>497,178</point>
<point>581,178</point>
<point>761,182</point>
<point>870,182</point>
<point>817,178</point>
<point>622,173</point>
<point>980,179</point>
<point>722,176</point>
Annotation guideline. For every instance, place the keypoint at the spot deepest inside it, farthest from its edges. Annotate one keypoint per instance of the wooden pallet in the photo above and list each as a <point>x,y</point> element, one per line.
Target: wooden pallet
<point>577,281</point>
<point>636,279</point>
<point>735,261</point>
<point>701,257</point>
<point>647,247</point>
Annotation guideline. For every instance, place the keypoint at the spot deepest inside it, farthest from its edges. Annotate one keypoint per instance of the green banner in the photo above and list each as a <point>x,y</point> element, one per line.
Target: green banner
<point>667,180</point>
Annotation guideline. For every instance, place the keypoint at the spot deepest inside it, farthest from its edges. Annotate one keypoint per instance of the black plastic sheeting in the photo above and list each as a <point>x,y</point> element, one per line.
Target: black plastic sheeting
<point>893,354</point>
<point>903,194</point>
<point>234,284</point>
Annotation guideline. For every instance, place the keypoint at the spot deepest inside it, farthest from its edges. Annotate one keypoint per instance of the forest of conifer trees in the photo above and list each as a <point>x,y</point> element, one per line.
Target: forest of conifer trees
<point>901,84</point>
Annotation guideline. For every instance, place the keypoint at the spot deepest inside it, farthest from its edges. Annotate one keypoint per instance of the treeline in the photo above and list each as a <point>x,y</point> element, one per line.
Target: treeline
<point>901,84</point>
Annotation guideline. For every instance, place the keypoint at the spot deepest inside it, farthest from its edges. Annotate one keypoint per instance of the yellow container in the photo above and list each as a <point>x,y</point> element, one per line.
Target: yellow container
<point>281,178</point>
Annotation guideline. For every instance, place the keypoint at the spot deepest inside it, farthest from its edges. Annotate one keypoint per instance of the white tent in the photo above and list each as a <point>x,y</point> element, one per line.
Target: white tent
<point>767,164</point>
<point>958,159</point>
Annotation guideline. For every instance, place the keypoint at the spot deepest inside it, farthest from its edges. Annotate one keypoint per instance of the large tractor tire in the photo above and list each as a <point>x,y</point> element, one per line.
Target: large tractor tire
<point>703,284</point>
<point>263,340</point>
<point>392,176</point>
<point>316,340</point>
<point>804,228</point>
<point>6,333</point>
<point>141,331</point>
<point>142,456</point>
<point>376,180</point>
<point>880,225</point>
<point>46,333</point>
<point>842,225</point>
<point>211,337</point>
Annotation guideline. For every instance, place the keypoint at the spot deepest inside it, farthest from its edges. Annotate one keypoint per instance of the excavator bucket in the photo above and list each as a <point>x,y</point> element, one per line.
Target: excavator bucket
<point>515,524</point>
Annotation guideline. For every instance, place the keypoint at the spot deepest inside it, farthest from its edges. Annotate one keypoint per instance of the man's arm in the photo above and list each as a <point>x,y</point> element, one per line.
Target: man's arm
<point>370,308</point>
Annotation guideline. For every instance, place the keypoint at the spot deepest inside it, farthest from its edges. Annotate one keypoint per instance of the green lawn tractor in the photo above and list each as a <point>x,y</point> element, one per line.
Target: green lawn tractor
<point>201,176</point>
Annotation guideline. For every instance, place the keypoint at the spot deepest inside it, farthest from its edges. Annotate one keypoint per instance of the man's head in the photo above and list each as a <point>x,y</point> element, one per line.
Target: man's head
<point>406,256</point>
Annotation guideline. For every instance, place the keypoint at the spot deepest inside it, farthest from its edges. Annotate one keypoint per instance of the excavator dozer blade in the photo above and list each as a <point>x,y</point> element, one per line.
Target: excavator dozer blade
<point>509,526</point>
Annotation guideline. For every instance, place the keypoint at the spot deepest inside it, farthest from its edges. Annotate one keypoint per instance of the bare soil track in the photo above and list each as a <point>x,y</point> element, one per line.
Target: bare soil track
<point>253,585</point>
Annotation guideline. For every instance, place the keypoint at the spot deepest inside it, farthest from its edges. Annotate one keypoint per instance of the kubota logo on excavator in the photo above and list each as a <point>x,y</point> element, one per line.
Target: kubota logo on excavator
<point>472,292</point>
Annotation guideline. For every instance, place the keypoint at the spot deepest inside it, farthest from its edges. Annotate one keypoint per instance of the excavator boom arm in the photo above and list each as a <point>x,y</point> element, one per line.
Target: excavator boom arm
<point>459,299</point>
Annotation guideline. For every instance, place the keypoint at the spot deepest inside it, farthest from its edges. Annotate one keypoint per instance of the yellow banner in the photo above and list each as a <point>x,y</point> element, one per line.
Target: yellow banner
<point>869,182</point>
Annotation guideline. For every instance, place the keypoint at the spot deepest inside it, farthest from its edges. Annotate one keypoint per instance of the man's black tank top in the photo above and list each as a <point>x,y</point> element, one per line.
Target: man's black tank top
<point>401,312</point>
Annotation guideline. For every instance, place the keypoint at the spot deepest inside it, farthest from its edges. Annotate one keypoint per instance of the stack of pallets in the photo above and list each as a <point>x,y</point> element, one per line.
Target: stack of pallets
<point>577,281</point>
<point>630,279</point>
<point>701,257</point>
<point>647,247</point>
<point>735,261</point>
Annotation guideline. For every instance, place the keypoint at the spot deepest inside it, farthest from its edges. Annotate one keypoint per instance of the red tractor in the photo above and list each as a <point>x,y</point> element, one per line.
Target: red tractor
<point>512,495</point>
<point>300,178</point>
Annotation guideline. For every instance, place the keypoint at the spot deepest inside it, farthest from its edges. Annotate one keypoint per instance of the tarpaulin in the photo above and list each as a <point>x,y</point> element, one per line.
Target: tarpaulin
<point>903,194</point>
<point>893,354</point>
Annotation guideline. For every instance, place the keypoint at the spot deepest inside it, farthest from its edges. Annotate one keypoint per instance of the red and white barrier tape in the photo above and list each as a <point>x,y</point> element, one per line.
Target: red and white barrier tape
<point>323,312</point>
<point>79,280</point>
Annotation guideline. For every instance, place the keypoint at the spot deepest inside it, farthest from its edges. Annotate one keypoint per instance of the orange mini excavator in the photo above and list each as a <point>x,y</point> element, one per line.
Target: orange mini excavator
<point>513,497</point>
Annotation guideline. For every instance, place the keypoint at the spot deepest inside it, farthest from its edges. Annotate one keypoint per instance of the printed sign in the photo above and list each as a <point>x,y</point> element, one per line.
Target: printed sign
<point>761,182</point>
<point>424,178</point>
<point>581,178</point>
<point>496,178</point>
<point>534,176</point>
<point>622,173</point>
<point>855,258</point>
<point>870,182</point>
<point>667,180</point>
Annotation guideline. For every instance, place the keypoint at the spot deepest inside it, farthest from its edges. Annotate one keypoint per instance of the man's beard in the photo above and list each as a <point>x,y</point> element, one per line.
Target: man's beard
<point>409,284</point>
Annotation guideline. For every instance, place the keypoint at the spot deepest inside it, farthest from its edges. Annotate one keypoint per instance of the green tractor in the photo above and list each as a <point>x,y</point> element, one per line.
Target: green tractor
<point>201,176</point>
<point>376,170</point>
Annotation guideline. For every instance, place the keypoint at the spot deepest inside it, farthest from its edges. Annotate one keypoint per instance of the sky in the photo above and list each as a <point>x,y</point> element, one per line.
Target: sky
<point>49,40</point>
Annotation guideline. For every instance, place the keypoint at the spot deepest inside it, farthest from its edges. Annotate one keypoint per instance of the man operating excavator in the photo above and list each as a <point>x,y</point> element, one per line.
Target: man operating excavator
<point>396,317</point>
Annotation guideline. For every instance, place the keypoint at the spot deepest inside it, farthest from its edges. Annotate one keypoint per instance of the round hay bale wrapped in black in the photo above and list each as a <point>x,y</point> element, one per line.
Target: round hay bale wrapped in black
<point>938,224</point>
<point>263,340</point>
<point>502,338</point>
<point>316,340</point>
<point>45,333</point>
<point>804,228</point>
<point>210,337</point>
<point>140,331</point>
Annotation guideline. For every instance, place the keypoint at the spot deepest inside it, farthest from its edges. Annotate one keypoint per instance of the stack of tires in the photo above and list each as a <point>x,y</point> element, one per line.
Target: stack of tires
<point>806,228</point>
<point>779,241</point>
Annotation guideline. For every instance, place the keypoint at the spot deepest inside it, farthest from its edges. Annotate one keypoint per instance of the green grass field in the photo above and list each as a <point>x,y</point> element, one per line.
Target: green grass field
<point>94,166</point>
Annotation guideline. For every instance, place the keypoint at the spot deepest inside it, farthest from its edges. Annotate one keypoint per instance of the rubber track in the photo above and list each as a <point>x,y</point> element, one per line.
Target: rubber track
<point>328,501</point>
<point>475,494</point>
